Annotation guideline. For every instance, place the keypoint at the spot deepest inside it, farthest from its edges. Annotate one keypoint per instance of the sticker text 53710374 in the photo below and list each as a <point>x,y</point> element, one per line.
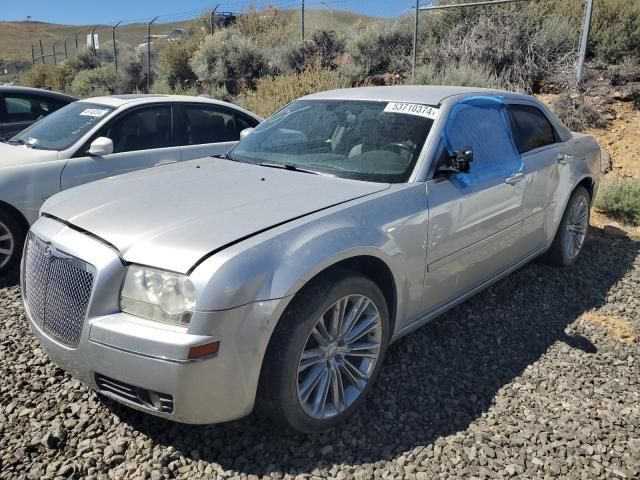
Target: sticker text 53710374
<point>412,109</point>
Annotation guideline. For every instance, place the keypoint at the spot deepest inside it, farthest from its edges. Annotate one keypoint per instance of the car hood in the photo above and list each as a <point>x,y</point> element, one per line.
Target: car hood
<point>18,155</point>
<point>172,216</point>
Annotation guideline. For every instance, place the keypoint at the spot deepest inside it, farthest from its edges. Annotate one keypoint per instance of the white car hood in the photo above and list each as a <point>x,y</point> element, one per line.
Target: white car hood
<point>20,155</point>
<point>172,216</point>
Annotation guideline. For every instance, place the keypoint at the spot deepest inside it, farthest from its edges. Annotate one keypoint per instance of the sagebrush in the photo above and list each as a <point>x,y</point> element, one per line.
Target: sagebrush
<point>620,198</point>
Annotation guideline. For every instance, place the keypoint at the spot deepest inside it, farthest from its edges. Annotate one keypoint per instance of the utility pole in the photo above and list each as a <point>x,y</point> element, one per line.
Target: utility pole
<point>302,20</point>
<point>415,41</point>
<point>115,49</point>
<point>149,53</point>
<point>41,51</point>
<point>584,39</point>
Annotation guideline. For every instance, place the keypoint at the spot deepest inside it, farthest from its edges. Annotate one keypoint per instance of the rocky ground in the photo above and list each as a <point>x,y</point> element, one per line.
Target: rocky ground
<point>537,377</point>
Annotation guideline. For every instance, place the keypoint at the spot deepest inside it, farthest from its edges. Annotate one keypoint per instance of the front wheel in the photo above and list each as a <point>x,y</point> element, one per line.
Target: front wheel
<point>572,232</point>
<point>325,353</point>
<point>11,241</point>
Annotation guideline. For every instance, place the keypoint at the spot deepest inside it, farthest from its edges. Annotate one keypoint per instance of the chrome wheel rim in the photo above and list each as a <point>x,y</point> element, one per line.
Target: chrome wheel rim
<point>576,229</point>
<point>7,244</point>
<point>339,356</point>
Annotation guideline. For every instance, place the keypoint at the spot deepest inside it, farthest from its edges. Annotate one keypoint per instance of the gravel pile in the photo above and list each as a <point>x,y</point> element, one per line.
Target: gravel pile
<point>537,377</point>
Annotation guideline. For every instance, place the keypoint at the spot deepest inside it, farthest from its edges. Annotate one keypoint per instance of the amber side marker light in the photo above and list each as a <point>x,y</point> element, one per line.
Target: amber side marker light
<point>204,350</point>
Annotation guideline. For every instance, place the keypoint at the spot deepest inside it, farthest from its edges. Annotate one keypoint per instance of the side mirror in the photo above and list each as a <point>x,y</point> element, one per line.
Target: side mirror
<point>461,159</point>
<point>101,146</point>
<point>244,133</point>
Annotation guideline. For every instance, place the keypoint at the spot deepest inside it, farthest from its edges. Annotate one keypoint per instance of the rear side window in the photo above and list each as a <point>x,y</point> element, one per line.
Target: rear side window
<point>531,128</point>
<point>29,108</point>
<point>202,124</point>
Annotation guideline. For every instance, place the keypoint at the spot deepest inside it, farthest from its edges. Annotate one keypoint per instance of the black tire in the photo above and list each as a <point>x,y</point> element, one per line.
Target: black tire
<point>8,221</point>
<point>557,255</point>
<point>278,391</point>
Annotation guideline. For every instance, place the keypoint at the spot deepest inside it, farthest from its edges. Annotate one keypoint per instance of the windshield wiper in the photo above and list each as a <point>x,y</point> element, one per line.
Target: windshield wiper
<point>288,166</point>
<point>226,156</point>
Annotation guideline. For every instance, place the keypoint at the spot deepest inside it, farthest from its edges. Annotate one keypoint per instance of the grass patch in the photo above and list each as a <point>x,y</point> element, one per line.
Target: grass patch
<point>620,199</point>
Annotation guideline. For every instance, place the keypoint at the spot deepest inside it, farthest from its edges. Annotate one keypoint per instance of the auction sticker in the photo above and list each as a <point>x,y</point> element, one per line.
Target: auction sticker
<point>93,112</point>
<point>412,109</point>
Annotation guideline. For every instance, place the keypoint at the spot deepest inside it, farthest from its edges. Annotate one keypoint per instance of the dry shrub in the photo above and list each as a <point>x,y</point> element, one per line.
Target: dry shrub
<point>461,74</point>
<point>95,82</point>
<point>620,198</point>
<point>379,50</point>
<point>272,93</point>
<point>267,27</point>
<point>323,48</point>
<point>52,77</point>
<point>173,63</point>
<point>579,112</point>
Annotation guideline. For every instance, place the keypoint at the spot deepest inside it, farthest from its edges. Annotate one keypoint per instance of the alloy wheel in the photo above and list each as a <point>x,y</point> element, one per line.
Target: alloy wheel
<point>339,356</point>
<point>7,245</point>
<point>576,228</point>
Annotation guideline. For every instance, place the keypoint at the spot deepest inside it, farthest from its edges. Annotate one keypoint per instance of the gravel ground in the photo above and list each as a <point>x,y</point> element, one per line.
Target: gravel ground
<point>536,377</point>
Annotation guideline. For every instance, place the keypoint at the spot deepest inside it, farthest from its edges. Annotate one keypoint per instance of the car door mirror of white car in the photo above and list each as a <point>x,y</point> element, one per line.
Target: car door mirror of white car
<point>101,146</point>
<point>246,132</point>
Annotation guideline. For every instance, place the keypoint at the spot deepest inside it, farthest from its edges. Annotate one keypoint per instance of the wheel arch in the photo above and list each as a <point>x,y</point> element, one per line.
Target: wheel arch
<point>15,213</point>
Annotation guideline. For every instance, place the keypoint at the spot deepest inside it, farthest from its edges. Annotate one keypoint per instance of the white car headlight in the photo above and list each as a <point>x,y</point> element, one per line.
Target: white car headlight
<point>156,295</point>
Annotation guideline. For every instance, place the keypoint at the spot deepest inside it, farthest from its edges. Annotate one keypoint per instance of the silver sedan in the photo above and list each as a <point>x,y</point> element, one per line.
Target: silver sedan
<point>280,272</point>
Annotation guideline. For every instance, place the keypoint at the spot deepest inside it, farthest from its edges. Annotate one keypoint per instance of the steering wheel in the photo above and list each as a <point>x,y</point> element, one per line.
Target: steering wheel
<point>397,147</point>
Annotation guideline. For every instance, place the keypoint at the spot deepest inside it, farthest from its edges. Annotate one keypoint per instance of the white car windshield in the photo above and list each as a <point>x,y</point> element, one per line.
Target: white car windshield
<point>363,140</point>
<point>63,127</point>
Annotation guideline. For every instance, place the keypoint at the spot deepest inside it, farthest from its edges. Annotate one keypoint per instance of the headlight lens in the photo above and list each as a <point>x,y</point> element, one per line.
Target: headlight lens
<point>156,295</point>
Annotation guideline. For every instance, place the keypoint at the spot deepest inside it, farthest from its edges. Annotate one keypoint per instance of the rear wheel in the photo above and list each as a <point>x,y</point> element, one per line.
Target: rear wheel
<point>325,353</point>
<point>572,232</point>
<point>12,236</point>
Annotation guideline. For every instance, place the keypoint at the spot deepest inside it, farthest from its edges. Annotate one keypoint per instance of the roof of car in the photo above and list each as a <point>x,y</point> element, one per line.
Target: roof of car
<point>131,100</point>
<point>427,94</point>
<point>39,91</point>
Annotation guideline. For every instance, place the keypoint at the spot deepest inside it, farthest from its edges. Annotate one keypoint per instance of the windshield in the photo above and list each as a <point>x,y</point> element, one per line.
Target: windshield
<point>63,127</point>
<point>373,141</point>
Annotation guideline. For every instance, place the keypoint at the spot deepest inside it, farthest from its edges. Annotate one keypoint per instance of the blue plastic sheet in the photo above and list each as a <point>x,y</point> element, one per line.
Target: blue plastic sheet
<point>482,123</point>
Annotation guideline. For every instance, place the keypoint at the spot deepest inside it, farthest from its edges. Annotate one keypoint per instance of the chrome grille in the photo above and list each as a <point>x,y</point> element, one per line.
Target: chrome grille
<point>56,290</point>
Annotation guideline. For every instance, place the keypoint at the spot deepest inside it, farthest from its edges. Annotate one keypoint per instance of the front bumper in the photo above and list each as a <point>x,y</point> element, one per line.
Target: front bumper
<point>137,361</point>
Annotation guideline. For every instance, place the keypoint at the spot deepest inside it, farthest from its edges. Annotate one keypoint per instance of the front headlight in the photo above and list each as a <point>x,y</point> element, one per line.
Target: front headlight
<point>156,295</point>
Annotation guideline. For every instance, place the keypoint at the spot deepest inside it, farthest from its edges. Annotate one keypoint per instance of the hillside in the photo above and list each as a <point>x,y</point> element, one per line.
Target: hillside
<point>15,37</point>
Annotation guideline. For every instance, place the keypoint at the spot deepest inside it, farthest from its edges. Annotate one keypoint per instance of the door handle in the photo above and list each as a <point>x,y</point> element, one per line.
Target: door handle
<point>563,158</point>
<point>515,178</point>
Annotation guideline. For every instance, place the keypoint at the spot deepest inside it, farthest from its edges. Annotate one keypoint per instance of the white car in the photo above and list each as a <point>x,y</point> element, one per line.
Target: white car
<point>101,137</point>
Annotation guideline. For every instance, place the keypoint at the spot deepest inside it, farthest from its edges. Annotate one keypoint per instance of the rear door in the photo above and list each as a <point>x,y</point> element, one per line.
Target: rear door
<point>475,218</point>
<point>538,143</point>
<point>206,129</point>
<point>142,138</point>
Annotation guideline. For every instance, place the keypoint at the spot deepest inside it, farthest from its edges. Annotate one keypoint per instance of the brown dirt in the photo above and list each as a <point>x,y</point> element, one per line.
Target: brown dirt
<point>617,327</point>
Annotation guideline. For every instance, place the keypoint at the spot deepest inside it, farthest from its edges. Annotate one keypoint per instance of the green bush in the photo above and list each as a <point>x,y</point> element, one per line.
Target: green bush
<point>322,49</point>
<point>131,77</point>
<point>83,60</point>
<point>462,74</point>
<point>620,199</point>
<point>94,82</point>
<point>173,63</point>
<point>229,59</point>
<point>616,29</point>
<point>385,49</point>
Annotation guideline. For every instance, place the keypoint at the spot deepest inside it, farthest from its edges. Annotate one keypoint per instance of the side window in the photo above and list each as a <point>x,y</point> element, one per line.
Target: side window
<point>531,128</point>
<point>141,129</point>
<point>203,124</point>
<point>242,122</point>
<point>482,125</point>
<point>29,108</point>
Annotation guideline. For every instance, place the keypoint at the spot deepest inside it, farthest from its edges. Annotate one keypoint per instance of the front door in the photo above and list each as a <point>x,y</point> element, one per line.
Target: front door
<point>142,138</point>
<point>475,218</point>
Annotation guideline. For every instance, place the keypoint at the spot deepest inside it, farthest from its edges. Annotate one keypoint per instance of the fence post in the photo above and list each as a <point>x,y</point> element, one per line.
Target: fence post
<point>115,49</point>
<point>33,56</point>
<point>212,17</point>
<point>93,41</point>
<point>53,46</point>
<point>415,41</point>
<point>584,39</point>
<point>41,51</point>
<point>66,56</point>
<point>302,20</point>
<point>149,53</point>
<point>77,41</point>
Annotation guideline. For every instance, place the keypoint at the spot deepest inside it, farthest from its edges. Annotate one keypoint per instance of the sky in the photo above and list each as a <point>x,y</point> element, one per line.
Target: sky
<point>81,12</point>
